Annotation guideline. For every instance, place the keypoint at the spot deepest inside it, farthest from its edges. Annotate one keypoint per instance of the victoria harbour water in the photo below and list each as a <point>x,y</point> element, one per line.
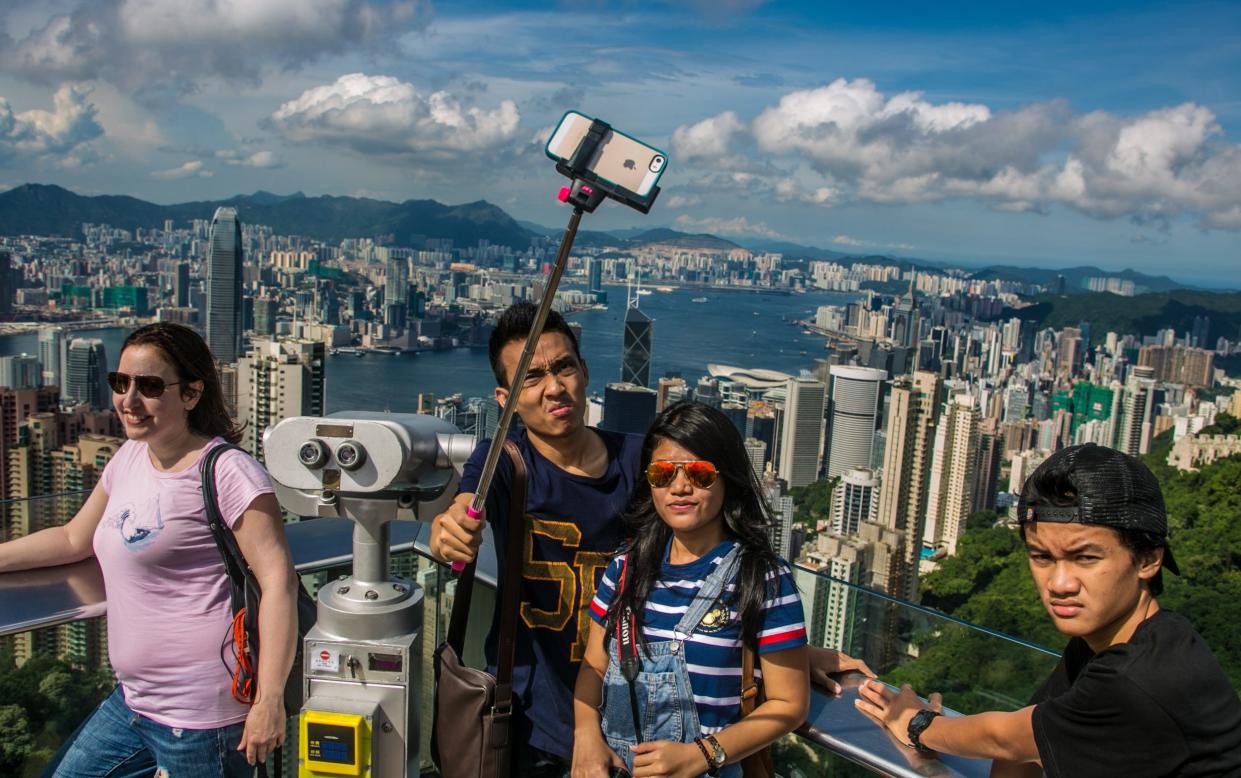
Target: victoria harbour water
<point>743,329</point>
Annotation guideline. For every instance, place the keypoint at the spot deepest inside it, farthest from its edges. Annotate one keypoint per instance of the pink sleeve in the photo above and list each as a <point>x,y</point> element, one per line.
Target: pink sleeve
<point>239,479</point>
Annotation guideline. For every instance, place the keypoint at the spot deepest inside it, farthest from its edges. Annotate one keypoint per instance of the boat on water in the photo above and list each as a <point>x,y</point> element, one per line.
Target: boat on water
<point>645,292</point>
<point>806,332</point>
<point>664,289</point>
<point>698,300</point>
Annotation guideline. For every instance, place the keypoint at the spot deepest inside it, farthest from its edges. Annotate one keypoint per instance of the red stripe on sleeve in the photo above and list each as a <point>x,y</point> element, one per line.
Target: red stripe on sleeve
<point>780,637</point>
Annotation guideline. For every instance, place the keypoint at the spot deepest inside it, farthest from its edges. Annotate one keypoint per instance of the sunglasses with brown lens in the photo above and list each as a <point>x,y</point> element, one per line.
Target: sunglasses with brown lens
<point>662,472</point>
<point>149,386</point>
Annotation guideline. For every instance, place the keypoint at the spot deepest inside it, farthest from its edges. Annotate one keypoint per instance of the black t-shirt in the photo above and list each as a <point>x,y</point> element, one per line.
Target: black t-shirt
<point>1158,705</point>
<point>575,529</point>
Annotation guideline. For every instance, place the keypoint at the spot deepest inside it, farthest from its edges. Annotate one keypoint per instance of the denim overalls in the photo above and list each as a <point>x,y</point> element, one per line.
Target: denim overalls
<point>665,700</point>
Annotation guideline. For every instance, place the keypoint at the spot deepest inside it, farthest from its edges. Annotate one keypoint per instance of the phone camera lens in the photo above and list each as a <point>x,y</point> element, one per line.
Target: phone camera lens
<point>350,455</point>
<point>313,453</point>
<point>657,163</point>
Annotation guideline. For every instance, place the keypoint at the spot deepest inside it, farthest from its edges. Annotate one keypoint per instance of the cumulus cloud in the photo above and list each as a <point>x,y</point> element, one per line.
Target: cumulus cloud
<point>846,240</point>
<point>708,138</point>
<point>739,225</point>
<point>383,115</point>
<point>172,45</point>
<point>192,169</point>
<point>866,146</point>
<point>63,132</point>
<point>682,201</point>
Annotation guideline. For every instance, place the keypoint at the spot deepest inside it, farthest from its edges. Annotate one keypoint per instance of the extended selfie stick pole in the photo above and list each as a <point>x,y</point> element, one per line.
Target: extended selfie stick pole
<point>519,376</point>
<point>586,193</point>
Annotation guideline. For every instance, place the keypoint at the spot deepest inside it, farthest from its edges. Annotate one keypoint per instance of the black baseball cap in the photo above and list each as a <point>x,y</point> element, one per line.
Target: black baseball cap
<point>1113,489</point>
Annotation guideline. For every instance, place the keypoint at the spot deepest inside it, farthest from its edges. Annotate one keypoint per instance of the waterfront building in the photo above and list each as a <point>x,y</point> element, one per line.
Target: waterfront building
<point>224,260</point>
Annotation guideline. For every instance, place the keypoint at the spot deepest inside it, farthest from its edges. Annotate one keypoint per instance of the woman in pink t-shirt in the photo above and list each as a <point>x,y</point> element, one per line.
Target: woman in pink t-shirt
<point>169,612</point>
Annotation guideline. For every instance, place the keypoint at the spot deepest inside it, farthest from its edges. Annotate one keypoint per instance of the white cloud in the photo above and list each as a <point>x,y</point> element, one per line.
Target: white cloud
<point>708,138</point>
<point>848,142</point>
<point>173,45</point>
<point>192,169</point>
<point>260,159</point>
<point>739,225</point>
<point>681,201</point>
<point>383,115</point>
<point>846,240</point>
<point>61,133</point>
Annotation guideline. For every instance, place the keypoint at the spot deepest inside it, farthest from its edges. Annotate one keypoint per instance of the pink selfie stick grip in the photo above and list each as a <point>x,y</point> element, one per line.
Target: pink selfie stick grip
<point>473,514</point>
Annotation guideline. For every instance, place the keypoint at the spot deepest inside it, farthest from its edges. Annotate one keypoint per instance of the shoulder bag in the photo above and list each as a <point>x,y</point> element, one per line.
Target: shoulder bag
<point>470,729</point>
<point>246,594</point>
<point>758,764</point>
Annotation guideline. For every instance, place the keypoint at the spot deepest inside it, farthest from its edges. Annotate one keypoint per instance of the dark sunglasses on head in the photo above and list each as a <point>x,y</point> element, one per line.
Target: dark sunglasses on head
<point>662,472</point>
<point>149,386</point>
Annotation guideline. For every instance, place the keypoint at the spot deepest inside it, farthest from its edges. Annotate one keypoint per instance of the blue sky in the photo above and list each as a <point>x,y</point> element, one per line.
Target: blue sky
<point>1048,134</point>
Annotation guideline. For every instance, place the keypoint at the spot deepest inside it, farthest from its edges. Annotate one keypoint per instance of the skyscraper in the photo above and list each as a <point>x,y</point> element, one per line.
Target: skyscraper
<point>1137,411</point>
<point>628,408</point>
<point>20,371</point>
<point>801,441</point>
<point>6,285</point>
<point>278,379</point>
<point>181,285</point>
<point>636,348</point>
<point>913,413</point>
<point>954,470</point>
<point>594,274</point>
<point>396,281</point>
<point>855,500</point>
<point>854,414</point>
<point>224,286</point>
<point>52,355</point>
<point>86,372</point>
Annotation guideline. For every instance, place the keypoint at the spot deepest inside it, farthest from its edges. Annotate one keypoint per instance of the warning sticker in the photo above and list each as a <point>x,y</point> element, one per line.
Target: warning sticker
<point>325,659</point>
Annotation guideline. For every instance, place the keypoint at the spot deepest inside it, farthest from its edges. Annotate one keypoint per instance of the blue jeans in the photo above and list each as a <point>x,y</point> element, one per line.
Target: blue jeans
<point>115,742</point>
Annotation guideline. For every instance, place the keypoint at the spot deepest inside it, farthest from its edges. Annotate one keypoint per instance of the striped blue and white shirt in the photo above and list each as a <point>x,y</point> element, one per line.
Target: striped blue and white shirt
<point>713,651</point>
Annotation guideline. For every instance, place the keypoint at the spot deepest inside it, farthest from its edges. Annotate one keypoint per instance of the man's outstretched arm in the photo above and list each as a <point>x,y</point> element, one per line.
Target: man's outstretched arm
<point>1008,737</point>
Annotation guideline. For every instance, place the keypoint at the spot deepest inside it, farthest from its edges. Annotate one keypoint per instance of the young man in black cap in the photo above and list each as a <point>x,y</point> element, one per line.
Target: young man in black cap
<point>1137,691</point>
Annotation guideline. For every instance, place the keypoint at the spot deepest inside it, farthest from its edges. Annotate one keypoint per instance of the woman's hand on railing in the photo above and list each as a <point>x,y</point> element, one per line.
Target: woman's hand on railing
<point>824,662</point>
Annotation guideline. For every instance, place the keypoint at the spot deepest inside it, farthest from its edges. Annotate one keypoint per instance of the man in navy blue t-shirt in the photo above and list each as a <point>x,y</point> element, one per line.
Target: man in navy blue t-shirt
<point>579,481</point>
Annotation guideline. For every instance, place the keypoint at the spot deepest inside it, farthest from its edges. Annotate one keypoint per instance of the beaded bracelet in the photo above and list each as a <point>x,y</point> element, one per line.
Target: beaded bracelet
<point>711,768</point>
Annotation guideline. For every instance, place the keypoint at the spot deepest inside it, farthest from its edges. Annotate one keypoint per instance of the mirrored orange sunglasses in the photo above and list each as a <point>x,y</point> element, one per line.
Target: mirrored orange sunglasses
<point>662,472</point>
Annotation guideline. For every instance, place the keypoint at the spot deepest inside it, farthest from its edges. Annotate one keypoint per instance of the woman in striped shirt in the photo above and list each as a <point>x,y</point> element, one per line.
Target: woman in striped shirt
<point>659,692</point>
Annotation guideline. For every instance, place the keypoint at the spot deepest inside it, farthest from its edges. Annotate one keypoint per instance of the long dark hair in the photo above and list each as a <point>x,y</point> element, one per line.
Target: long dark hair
<point>747,519</point>
<point>187,352</point>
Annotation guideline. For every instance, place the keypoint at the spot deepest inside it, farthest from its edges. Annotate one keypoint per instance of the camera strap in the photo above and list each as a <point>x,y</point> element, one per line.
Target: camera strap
<point>627,652</point>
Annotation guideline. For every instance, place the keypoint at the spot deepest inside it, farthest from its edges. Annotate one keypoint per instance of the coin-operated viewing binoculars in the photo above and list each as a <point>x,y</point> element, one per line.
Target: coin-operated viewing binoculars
<point>361,659</point>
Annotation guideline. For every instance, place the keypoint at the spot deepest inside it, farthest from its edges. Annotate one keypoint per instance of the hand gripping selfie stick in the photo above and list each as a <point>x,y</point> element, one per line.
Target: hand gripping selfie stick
<point>585,194</point>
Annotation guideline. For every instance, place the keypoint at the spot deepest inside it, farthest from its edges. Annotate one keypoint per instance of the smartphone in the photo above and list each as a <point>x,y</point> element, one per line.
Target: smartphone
<point>620,160</point>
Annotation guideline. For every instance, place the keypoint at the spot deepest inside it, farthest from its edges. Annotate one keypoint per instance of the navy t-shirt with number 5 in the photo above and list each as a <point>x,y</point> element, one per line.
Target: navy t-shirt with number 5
<point>575,531</point>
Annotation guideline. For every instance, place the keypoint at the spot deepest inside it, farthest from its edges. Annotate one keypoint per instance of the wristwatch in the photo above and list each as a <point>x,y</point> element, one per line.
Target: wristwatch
<point>917,725</point>
<point>718,757</point>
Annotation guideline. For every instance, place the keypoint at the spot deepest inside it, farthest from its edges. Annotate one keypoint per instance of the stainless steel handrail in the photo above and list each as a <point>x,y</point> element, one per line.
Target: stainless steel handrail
<point>36,599</point>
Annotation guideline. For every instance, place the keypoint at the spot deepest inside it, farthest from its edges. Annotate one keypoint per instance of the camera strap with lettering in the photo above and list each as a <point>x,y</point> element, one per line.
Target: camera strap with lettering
<point>627,653</point>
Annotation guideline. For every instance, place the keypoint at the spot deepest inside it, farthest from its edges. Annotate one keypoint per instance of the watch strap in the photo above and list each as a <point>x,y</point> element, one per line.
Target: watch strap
<point>917,725</point>
<point>712,770</point>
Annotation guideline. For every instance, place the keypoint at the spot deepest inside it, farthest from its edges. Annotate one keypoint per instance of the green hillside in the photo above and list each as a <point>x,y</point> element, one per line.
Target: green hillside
<point>1143,314</point>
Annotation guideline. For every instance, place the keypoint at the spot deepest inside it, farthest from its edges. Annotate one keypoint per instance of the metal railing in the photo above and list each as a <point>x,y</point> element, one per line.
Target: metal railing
<point>892,635</point>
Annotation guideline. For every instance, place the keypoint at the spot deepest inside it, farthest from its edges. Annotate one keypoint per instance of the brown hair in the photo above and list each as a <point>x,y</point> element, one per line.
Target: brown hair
<point>187,352</point>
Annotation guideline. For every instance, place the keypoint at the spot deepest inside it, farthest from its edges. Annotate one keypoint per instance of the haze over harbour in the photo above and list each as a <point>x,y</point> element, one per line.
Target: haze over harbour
<point>743,329</point>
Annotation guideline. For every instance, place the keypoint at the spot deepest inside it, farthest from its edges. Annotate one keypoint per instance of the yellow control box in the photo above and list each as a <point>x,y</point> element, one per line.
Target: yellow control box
<point>334,744</point>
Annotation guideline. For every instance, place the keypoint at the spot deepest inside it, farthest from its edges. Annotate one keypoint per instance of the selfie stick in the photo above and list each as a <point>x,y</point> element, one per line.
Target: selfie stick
<point>585,195</point>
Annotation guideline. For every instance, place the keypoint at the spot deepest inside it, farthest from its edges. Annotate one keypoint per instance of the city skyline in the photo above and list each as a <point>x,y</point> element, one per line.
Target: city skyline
<point>1102,134</point>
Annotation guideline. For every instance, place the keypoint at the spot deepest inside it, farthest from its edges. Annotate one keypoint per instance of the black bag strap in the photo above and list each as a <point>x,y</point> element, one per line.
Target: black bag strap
<point>234,562</point>
<point>510,584</point>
